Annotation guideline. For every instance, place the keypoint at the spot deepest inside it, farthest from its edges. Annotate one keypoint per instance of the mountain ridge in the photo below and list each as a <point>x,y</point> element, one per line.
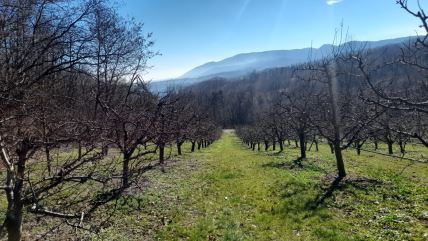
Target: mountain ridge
<point>244,63</point>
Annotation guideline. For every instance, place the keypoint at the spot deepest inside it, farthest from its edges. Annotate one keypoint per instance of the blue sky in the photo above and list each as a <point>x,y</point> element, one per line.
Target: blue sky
<point>189,33</point>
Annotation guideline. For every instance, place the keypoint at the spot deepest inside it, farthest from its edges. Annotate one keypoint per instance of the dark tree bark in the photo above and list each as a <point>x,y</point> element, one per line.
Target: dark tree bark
<point>390,150</point>
<point>339,159</point>
<point>14,213</point>
<point>358,145</point>
<point>316,145</point>
<point>48,160</point>
<point>302,145</point>
<point>402,146</point>
<point>162,153</point>
<point>105,150</point>
<point>331,147</point>
<point>125,170</point>
<point>179,144</point>
<point>193,146</point>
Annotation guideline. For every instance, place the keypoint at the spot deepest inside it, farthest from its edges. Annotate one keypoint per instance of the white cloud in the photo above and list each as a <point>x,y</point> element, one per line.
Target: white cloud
<point>332,2</point>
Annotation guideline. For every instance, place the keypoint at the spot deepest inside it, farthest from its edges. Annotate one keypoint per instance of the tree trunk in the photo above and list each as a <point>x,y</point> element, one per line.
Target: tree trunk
<point>273,145</point>
<point>13,222</point>
<point>125,170</point>
<point>331,147</point>
<point>258,146</point>
<point>179,147</point>
<point>390,150</point>
<point>316,145</point>
<point>402,147</point>
<point>193,146</point>
<point>199,145</point>
<point>161,153</point>
<point>281,146</point>
<point>105,150</point>
<point>358,147</point>
<point>302,145</point>
<point>79,151</point>
<point>296,143</point>
<point>48,160</point>
<point>339,159</point>
<point>331,75</point>
<point>266,145</point>
<point>310,146</point>
<point>375,145</point>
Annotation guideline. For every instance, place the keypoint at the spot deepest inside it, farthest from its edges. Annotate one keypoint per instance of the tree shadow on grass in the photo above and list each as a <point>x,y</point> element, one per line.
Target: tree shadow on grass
<point>331,184</point>
<point>299,163</point>
<point>309,199</point>
<point>297,203</point>
<point>326,193</point>
<point>308,203</point>
<point>311,196</point>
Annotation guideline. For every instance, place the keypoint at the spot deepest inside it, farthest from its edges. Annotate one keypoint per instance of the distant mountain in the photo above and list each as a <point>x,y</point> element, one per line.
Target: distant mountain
<point>243,64</point>
<point>255,61</point>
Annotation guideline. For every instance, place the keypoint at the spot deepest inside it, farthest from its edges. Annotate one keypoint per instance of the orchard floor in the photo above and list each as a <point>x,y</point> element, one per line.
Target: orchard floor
<point>228,192</point>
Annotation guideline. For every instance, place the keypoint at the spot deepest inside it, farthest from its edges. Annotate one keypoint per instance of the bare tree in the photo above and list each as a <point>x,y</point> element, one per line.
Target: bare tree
<point>341,114</point>
<point>123,103</point>
<point>50,96</point>
<point>407,91</point>
<point>297,106</point>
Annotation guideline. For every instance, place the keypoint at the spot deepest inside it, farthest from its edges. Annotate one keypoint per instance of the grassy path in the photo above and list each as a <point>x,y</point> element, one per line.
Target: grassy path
<point>236,199</point>
<point>227,192</point>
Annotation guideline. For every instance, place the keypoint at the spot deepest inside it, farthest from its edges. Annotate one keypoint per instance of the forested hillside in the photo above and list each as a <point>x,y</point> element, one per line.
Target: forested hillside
<point>232,102</point>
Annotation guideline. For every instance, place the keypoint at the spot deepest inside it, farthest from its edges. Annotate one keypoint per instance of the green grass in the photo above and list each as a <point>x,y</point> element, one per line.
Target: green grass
<point>228,192</point>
